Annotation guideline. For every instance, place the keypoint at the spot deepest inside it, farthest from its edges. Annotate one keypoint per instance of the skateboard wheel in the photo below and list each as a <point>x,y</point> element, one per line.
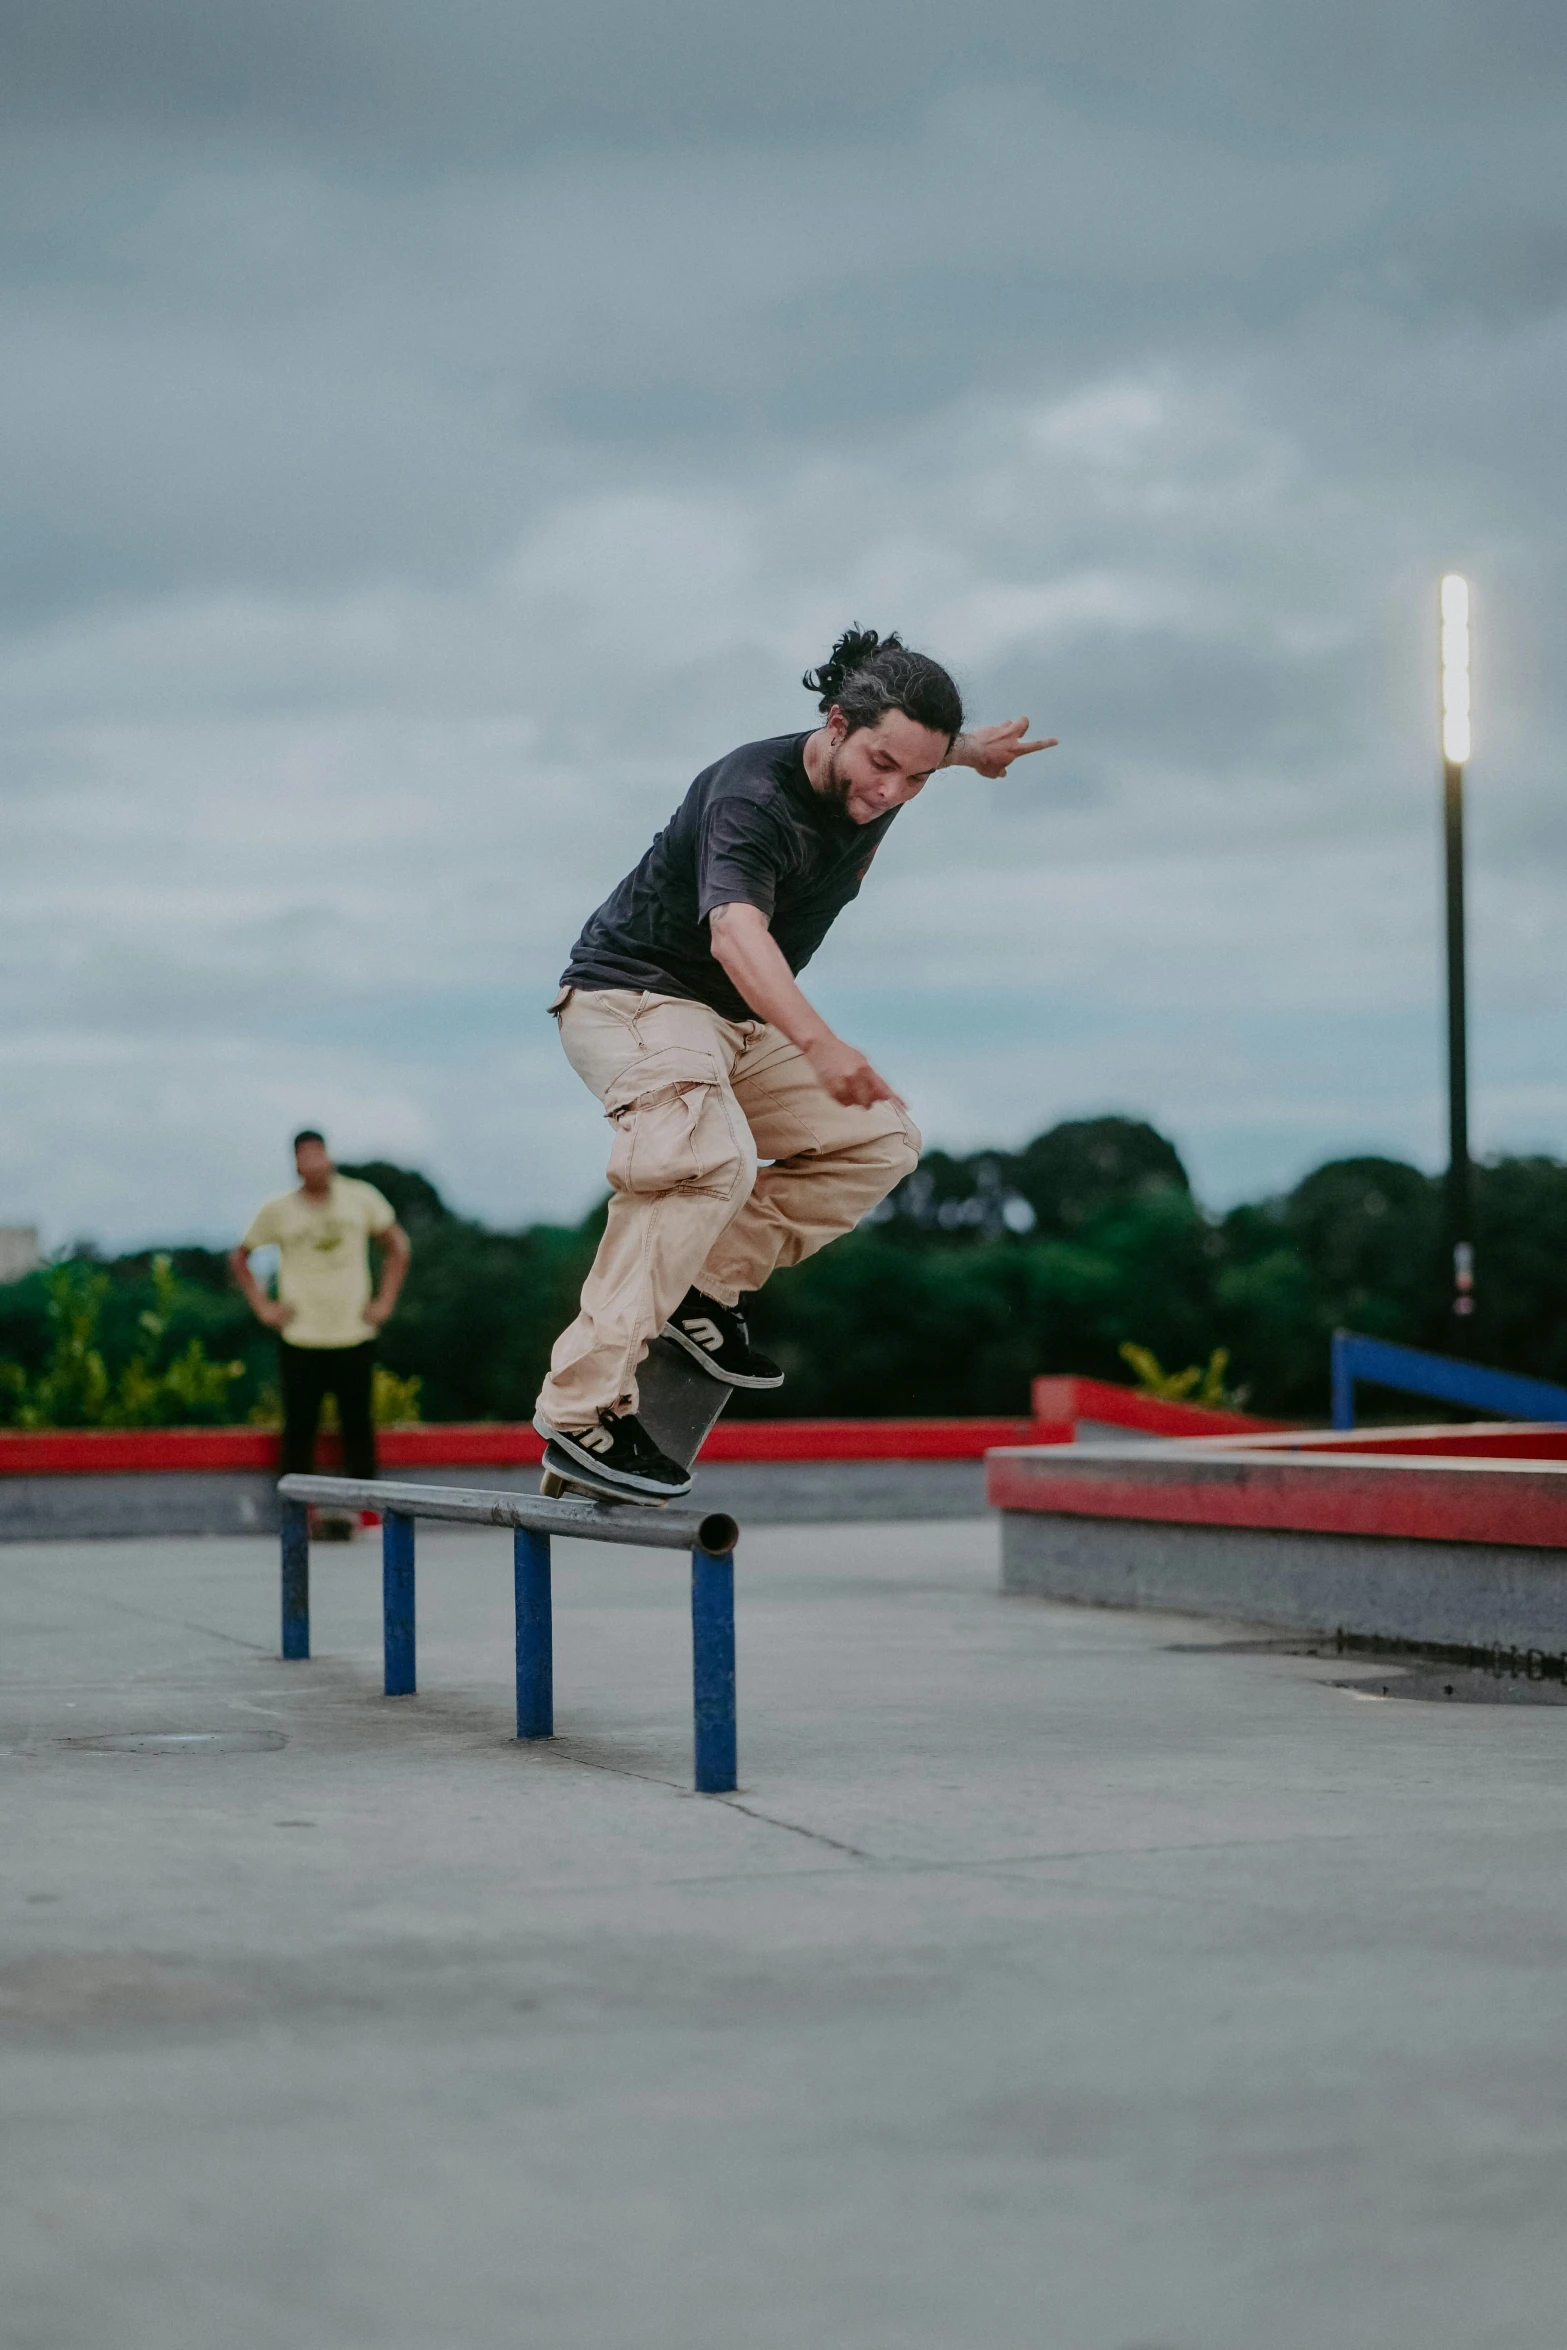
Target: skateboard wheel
<point>551,1486</point>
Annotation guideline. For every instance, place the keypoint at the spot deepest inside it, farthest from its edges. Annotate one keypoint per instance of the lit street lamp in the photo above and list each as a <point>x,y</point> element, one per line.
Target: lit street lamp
<point>1455,754</point>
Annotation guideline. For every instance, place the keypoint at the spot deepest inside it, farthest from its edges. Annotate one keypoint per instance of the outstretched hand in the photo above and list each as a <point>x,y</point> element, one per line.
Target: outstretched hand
<point>990,750</point>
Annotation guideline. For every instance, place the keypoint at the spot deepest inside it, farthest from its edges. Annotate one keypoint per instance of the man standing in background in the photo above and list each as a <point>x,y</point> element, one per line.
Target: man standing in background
<point>324,1313</point>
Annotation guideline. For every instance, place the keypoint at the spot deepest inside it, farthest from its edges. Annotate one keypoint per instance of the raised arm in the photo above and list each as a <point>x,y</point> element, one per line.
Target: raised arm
<point>990,750</point>
<point>750,955</point>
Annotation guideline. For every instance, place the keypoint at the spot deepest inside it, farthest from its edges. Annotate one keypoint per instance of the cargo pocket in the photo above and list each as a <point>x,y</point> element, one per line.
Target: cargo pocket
<point>675,1128</point>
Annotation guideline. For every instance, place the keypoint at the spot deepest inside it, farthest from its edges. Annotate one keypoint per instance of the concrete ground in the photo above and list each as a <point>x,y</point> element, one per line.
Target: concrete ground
<point>1048,1984</point>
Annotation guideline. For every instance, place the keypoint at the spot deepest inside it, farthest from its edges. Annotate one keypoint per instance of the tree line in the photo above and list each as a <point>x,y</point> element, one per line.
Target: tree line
<point>977,1273</point>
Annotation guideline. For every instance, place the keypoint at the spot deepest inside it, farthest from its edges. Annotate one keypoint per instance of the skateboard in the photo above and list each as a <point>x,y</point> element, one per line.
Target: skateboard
<point>677,1404</point>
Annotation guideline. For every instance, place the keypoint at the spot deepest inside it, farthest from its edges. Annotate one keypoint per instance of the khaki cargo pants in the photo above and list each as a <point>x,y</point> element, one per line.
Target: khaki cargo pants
<point>694,1103</point>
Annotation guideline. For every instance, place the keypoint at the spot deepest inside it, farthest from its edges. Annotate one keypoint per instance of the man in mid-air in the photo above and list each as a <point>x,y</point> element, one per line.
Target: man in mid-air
<point>745,1134</point>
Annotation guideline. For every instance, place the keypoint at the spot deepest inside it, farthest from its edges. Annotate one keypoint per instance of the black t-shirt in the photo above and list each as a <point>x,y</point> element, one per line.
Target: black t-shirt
<point>750,831</point>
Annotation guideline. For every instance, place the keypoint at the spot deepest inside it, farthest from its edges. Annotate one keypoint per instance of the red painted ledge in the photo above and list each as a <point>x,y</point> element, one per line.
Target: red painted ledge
<point>1514,1502</point>
<point>1070,1398</point>
<point>75,1452</point>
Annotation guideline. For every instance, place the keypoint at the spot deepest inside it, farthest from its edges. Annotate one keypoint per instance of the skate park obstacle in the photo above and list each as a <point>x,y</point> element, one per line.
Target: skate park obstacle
<point>1447,1378</point>
<point>709,1536</point>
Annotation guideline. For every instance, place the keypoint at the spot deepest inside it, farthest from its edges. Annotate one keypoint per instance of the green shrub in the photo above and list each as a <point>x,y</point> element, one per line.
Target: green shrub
<point>160,1385</point>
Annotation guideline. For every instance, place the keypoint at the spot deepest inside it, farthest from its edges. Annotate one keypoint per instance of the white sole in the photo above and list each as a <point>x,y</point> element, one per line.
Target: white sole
<point>631,1489</point>
<point>699,1354</point>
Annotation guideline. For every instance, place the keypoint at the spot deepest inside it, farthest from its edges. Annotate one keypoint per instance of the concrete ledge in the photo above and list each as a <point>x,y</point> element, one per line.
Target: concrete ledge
<point>62,1509</point>
<point>792,1493</point>
<point>1496,1503</point>
<point>1469,1594</point>
<point>821,1493</point>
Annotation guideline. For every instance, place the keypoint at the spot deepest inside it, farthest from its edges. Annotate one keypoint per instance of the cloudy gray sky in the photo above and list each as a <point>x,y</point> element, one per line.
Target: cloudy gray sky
<point>432,434</point>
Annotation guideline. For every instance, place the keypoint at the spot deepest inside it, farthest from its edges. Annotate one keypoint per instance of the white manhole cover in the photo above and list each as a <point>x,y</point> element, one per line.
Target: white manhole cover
<point>182,1742</point>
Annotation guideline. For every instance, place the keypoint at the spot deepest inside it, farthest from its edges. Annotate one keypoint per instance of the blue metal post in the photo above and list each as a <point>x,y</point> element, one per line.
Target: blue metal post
<point>535,1636</point>
<point>713,1670</point>
<point>1342,1360</point>
<point>296,1580</point>
<point>397,1602</point>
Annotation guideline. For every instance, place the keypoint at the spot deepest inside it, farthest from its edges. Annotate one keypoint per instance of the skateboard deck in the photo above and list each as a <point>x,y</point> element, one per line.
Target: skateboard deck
<point>678,1403</point>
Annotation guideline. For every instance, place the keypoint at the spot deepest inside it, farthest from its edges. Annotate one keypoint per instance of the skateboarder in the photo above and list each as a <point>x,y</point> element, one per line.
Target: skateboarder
<point>745,1135</point>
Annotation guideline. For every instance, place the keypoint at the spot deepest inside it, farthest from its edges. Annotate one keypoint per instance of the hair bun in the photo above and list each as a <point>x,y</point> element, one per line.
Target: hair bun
<point>854,648</point>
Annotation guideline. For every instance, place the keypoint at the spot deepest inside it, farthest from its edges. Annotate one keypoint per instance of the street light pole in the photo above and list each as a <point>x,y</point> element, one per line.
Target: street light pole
<point>1456,744</point>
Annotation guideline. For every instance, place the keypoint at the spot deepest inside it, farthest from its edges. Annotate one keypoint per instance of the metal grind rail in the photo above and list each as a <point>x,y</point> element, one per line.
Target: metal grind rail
<point>709,1536</point>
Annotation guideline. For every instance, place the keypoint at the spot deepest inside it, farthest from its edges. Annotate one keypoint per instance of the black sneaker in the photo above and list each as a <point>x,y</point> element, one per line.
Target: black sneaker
<point>717,1338</point>
<point>618,1453</point>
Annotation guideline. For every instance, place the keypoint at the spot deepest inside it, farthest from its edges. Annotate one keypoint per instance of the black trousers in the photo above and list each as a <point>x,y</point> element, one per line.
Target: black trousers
<point>311,1372</point>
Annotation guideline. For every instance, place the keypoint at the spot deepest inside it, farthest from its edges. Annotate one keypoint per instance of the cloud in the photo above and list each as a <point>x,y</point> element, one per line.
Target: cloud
<point>392,80</point>
<point>428,452</point>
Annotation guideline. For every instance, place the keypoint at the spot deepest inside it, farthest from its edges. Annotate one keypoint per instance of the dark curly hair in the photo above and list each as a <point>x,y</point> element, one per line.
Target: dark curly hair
<point>867,675</point>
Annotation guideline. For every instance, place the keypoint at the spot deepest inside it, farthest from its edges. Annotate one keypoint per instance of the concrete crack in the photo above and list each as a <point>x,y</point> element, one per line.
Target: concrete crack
<point>793,1828</point>
<point>153,1615</point>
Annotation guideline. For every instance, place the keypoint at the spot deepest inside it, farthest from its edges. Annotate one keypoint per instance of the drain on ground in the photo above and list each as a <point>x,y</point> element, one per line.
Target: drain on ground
<point>1440,1674</point>
<point>1460,1685</point>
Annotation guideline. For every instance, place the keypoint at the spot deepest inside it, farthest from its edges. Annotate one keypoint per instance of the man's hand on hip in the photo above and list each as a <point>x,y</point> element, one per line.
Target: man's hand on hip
<point>275,1314</point>
<point>847,1075</point>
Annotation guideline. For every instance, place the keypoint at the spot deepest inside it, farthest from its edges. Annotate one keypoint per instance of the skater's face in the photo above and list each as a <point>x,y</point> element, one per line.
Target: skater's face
<point>878,767</point>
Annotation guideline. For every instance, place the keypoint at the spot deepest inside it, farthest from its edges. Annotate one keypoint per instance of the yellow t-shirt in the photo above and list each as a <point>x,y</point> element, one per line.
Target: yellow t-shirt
<point>325,1261</point>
